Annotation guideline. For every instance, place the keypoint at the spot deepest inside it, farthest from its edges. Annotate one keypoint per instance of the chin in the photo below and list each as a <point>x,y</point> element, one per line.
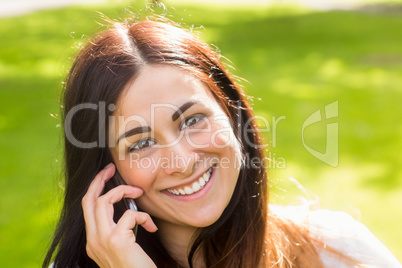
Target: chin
<point>205,219</point>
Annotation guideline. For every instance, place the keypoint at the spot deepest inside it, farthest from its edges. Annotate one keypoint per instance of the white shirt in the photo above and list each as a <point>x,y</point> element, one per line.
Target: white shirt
<point>343,233</point>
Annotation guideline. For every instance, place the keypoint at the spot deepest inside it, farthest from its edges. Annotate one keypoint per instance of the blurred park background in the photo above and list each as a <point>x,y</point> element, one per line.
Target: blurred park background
<point>296,59</point>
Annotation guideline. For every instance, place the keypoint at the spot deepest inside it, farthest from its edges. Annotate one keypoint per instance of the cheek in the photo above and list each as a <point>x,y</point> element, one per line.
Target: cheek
<point>139,173</point>
<point>230,148</point>
<point>222,138</point>
<point>222,134</point>
<point>225,139</point>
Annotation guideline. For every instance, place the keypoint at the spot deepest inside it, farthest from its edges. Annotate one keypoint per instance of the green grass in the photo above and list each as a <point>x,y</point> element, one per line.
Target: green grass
<point>296,62</point>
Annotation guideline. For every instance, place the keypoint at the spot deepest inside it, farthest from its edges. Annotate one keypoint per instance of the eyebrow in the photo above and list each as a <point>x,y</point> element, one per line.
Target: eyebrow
<point>134,131</point>
<point>182,109</point>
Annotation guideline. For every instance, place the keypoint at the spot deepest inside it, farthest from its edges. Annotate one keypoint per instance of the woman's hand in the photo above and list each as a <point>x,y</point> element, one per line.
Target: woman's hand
<point>112,244</point>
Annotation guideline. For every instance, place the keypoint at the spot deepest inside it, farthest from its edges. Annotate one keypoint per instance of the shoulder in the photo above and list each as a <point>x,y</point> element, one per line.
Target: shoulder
<point>340,231</point>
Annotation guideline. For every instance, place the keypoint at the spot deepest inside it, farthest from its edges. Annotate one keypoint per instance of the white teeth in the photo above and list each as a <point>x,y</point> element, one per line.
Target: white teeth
<point>206,177</point>
<point>195,187</point>
<point>188,190</point>
<point>201,181</point>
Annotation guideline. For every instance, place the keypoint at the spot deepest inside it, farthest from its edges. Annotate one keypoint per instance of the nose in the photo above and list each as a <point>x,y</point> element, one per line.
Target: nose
<point>181,159</point>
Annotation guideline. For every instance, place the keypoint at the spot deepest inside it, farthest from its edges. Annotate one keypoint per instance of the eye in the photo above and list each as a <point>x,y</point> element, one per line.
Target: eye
<point>141,145</point>
<point>190,121</point>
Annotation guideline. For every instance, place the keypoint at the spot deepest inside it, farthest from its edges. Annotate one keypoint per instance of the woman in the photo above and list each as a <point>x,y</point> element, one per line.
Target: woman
<point>151,114</point>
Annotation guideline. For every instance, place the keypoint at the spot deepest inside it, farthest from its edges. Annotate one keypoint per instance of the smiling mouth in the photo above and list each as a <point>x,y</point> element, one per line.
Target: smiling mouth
<point>193,187</point>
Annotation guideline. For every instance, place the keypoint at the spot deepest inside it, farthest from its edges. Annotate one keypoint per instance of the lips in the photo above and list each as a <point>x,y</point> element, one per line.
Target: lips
<point>193,187</point>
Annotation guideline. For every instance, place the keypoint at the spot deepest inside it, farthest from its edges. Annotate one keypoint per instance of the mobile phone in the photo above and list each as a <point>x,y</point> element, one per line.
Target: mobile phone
<point>125,203</point>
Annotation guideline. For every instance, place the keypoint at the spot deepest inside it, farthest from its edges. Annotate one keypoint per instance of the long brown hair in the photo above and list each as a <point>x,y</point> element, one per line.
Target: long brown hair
<point>244,235</point>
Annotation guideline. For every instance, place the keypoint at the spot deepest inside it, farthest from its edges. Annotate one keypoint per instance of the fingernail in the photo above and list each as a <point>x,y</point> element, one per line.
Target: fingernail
<point>109,165</point>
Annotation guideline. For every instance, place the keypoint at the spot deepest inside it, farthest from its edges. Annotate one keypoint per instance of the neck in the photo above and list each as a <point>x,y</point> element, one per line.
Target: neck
<point>177,240</point>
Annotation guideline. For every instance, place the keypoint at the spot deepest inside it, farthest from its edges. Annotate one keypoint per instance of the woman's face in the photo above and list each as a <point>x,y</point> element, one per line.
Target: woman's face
<point>175,142</point>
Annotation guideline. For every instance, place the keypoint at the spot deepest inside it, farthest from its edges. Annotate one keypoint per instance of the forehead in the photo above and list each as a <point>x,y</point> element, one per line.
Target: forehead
<point>162,85</point>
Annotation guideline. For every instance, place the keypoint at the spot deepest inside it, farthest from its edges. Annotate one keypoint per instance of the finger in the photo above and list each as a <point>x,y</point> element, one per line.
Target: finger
<point>118,193</point>
<point>97,185</point>
<point>130,218</point>
<point>93,192</point>
<point>104,204</point>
